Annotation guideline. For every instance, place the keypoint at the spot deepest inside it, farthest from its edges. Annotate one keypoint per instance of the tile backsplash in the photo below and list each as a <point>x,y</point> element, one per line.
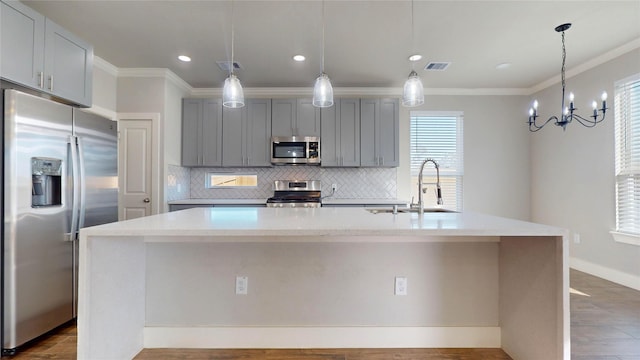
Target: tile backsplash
<point>178,183</point>
<point>352,183</point>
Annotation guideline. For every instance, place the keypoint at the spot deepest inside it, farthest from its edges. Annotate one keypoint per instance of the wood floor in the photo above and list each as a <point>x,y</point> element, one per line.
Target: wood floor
<point>605,325</point>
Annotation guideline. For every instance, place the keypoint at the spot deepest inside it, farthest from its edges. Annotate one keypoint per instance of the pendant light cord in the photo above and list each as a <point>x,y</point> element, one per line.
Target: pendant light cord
<point>322,37</point>
<point>413,42</point>
<point>564,58</point>
<point>231,66</point>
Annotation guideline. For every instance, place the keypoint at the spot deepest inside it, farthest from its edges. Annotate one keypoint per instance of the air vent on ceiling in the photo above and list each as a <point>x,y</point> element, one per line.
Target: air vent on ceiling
<point>437,66</point>
<point>225,65</point>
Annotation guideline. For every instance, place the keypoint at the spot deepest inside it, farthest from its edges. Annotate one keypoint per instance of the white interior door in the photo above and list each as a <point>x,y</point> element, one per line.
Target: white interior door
<point>135,158</point>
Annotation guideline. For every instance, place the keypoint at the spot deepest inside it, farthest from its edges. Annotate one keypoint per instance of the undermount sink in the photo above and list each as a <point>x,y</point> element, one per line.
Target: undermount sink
<point>409,210</point>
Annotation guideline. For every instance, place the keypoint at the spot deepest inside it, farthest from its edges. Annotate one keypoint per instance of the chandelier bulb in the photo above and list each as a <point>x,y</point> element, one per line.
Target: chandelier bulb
<point>604,95</point>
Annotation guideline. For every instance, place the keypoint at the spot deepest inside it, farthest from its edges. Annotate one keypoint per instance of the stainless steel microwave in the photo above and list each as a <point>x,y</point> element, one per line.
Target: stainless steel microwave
<point>295,150</point>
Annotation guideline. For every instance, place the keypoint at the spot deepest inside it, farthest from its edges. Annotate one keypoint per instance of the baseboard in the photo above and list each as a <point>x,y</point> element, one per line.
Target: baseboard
<point>618,277</point>
<point>321,337</point>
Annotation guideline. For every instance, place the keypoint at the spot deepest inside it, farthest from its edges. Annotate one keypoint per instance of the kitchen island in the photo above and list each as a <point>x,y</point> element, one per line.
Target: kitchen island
<point>322,278</point>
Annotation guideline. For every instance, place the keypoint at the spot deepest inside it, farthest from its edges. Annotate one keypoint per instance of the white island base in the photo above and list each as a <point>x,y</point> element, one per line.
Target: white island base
<point>322,278</point>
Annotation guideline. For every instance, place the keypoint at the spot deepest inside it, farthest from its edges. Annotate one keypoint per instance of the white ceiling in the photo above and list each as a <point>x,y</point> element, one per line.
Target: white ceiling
<point>367,42</point>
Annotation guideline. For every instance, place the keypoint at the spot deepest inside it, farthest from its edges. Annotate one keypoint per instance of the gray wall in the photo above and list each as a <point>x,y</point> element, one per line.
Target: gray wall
<point>572,173</point>
<point>496,152</point>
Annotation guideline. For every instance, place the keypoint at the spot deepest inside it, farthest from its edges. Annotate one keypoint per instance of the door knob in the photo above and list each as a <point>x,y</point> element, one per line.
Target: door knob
<point>147,200</point>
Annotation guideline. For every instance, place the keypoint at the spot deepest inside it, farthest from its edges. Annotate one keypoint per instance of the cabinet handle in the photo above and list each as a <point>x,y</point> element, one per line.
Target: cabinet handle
<point>41,80</point>
<point>51,82</point>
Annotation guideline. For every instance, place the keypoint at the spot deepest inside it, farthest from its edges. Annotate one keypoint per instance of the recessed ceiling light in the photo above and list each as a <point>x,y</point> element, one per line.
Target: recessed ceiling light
<point>415,57</point>
<point>184,58</point>
<point>503,66</point>
<point>299,57</point>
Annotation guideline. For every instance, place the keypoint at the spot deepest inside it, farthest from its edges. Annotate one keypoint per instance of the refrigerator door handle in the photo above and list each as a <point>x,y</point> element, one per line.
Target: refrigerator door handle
<point>72,235</point>
<point>83,185</point>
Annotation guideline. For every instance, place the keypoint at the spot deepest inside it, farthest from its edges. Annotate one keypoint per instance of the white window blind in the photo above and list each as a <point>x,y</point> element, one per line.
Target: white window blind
<point>438,135</point>
<point>627,133</point>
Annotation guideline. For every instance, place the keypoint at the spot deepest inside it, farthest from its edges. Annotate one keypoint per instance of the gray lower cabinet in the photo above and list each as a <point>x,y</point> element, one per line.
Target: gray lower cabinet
<point>37,53</point>
<point>201,132</point>
<point>246,134</point>
<point>177,207</point>
<point>340,137</point>
<point>379,132</point>
<point>295,117</point>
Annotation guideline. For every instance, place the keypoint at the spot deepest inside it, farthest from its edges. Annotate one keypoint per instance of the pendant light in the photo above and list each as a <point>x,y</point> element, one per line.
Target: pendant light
<point>413,92</point>
<point>322,90</point>
<point>232,94</point>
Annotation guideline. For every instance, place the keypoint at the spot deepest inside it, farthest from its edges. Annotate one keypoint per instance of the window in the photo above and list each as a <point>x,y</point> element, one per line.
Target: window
<point>222,180</point>
<point>627,133</point>
<point>438,135</point>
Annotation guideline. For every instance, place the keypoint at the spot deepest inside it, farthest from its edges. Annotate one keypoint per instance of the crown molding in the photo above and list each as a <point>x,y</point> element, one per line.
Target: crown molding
<point>599,60</point>
<point>105,66</point>
<point>357,91</point>
<point>156,73</point>
<point>476,92</point>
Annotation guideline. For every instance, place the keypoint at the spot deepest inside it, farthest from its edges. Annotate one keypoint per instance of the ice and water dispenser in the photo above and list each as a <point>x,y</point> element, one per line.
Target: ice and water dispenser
<point>46,181</point>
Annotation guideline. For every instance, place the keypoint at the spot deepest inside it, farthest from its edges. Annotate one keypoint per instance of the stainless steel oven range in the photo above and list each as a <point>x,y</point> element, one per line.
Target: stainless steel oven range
<point>295,193</point>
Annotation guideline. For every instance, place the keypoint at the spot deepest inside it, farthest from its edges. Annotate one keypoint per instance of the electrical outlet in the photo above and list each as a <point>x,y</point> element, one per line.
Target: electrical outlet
<point>576,238</point>
<point>334,187</point>
<point>242,285</point>
<point>401,286</point>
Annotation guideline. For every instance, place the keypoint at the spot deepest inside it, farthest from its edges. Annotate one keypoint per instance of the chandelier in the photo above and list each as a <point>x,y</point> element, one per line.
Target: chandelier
<point>568,112</point>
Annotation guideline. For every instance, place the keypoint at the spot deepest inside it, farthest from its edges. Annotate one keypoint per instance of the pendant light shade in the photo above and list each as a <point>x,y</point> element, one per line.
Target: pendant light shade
<point>413,94</point>
<point>232,94</point>
<point>323,92</point>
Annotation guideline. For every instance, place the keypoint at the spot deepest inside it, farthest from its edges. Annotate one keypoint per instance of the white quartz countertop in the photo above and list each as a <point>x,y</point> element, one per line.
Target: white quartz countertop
<point>330,221</point>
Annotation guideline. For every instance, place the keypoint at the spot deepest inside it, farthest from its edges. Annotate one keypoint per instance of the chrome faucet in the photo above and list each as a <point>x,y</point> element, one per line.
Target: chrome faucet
<point>422,189</point>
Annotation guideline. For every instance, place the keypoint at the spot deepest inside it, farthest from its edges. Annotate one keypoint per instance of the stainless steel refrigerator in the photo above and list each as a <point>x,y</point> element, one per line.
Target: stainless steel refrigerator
<point>59,175</point>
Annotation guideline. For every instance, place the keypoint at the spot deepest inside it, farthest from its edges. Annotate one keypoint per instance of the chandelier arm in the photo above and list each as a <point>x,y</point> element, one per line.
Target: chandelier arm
<point>533,127</point>
<point>588,122</point>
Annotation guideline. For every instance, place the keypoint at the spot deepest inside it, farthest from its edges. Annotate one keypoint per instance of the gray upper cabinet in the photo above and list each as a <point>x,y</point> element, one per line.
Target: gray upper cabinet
<point>379,132</point>
<point>246,134</point>
<point>341,134</point>
<point>68,65</point>
<point>201,132</point>
<point>21,44</point>
<point>295,117</point>
<point>39,54</point>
